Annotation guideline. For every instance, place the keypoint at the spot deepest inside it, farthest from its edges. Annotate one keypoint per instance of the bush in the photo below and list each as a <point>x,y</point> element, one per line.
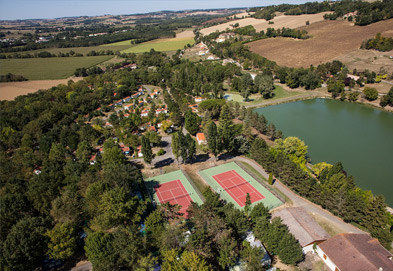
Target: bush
<point>370,94</point>
<point>160,152</point>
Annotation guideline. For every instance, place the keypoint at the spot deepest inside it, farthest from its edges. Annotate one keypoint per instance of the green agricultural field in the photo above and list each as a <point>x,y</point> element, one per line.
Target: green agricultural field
<point>81,50</point>
<point>49,68</point>
<point>163,45</point>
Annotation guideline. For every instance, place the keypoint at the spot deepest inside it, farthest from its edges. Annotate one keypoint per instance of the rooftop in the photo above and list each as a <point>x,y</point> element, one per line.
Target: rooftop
<point>354,251</point>
<point>302,225</point>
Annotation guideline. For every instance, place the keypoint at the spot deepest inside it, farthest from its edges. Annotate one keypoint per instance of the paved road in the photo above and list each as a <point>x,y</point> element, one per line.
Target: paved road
<point>167,158</point>
<point>83,266</point>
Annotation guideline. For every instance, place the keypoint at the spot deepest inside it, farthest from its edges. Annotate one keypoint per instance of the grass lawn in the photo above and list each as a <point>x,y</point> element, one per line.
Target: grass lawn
<point>162,45</point>
<point>49,68</point>
<point>279,92</point>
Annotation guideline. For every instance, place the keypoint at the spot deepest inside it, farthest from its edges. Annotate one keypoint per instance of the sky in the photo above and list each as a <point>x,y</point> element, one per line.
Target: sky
<point>40,9</point>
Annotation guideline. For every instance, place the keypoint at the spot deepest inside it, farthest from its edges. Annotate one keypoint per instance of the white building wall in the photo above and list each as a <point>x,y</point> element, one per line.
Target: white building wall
<point>308,248</point>
<point>327,261</point>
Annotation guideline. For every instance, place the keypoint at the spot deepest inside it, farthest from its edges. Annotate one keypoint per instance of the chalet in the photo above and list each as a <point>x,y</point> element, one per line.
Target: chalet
<point>198,99</point>
<point>254,243</point>
<point>305,229</point>
<point>201,138</point>
<point>126,115</point>
<point>126,99</point>
<point>125,150</point>
<point>152,95</point>
<point>141,103</point>
<point>111,106</point>
<point>128,106</point>
<point>93,159</point>
<point>161,111</point>
<point>156,92</point>
<point>101,150</point>
<point>37,171</point>
<point>195,110</point>
<point>108,124</point>
<point>119,102</point>
<point>354,251</point>
<point>145,112</point>
<point>140,154</point>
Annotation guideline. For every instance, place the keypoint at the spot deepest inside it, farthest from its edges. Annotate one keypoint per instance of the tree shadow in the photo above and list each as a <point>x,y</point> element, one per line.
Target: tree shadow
<point>164,162</point>
<point>201,158</point>
<point>164,144</point>
<point>227,156</point>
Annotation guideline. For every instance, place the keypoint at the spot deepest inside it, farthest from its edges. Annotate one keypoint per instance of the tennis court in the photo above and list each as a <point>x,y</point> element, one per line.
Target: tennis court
<point>173,187</point>
<point>233,184</point>
<point>236,186</point>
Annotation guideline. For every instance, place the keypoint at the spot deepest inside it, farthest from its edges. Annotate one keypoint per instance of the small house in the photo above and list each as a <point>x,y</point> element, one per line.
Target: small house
<point>198,99</point>
<point>201,138</point>
<point>93,159</point>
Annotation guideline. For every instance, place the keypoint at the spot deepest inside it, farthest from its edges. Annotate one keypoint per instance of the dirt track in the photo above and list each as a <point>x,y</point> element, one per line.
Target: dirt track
<point>330,40</point>
<point>10,90</point>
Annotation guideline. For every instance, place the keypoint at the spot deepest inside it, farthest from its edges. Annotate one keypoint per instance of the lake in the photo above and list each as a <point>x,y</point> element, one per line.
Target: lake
<point>359,136</point>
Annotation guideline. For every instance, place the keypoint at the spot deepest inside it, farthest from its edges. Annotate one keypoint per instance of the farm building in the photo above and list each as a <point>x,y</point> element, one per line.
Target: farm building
<point>305,229</point>
<point>354,251</point>
<point>201,138</point>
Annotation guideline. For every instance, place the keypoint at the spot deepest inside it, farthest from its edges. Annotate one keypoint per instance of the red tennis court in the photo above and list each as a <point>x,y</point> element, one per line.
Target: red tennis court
<point>174,193</point>
<point>237,187</point>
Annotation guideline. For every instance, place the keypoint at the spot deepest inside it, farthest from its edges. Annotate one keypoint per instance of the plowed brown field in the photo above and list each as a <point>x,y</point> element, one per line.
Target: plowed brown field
<point>330,40</point>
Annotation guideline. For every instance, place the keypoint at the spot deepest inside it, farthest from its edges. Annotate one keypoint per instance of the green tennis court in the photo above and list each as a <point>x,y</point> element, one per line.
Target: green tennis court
<point>233,184</point>
<point>173,187</point>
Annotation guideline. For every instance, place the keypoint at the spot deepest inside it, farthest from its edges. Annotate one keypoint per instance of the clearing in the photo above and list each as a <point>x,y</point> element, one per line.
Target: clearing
<point>372,60</point>
<point>280,91</point>
<point>10,90</point>
<point>261,24</point>
<point>330,40</point>
<point>49,68</point>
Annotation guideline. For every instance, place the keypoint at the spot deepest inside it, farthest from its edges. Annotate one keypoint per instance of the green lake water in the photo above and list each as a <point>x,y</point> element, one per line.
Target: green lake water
<point>359,136</point>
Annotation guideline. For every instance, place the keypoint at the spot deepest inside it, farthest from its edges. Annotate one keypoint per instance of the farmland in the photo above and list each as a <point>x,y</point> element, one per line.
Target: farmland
<point>261,24</point>
<point>162,45</point>
<point>330,40</point>
<point>49,68</point>
<point>10,90</point>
